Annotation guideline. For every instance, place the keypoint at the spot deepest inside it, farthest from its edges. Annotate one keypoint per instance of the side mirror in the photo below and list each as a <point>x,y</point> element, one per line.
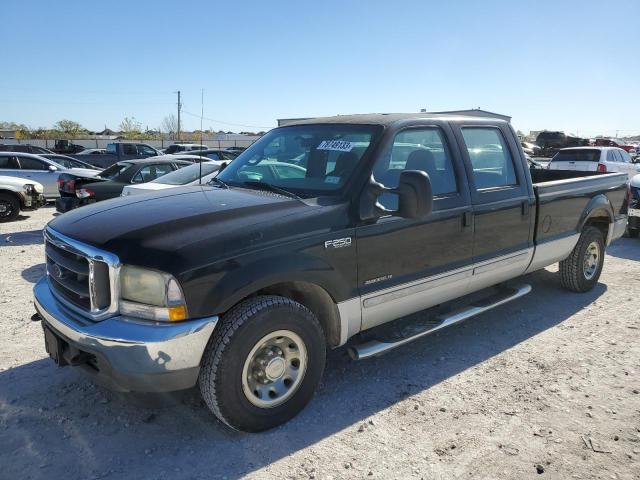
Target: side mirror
<point>53,168</point>
<point>223,165</point>
<point>415,197</point>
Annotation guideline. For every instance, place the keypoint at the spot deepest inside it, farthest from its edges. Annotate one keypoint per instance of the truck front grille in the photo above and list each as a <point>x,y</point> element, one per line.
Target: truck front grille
<point>81,276</point>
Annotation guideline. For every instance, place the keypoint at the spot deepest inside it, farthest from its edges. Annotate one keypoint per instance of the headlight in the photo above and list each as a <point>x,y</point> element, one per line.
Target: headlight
<point>151,294</point>
<point>29,188</point>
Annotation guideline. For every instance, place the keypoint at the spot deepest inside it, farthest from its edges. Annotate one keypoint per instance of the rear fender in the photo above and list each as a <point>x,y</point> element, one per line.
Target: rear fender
<point>599,211</point>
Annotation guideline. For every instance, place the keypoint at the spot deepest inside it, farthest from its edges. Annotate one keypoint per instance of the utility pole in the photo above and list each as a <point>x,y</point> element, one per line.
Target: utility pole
<point>179,108</point>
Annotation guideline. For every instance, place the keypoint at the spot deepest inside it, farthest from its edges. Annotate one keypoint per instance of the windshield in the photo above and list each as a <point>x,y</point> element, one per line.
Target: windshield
<point>69,162</point>
<point>113,171</point>
<point>586,155</point>
<point>188,174</point>
<point>309,160</point>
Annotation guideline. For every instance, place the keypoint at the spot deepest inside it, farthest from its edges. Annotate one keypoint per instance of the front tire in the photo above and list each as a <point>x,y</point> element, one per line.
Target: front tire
<point>580,271</point>
<point>263,363</point>
<point>9,207</point>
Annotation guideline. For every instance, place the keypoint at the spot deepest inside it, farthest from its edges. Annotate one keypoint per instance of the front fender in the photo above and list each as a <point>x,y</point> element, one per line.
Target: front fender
<point>239,278</point>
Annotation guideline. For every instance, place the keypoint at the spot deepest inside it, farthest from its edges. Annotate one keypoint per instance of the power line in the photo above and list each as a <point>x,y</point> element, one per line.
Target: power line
<point>226,123</point>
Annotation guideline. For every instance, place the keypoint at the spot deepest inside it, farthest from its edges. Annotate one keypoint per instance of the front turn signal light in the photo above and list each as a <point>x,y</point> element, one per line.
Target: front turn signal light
<point>177,313</point>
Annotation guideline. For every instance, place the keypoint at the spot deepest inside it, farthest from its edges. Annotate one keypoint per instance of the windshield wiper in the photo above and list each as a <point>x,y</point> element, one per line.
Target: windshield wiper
<point>273,188</point>
<point>219,182</point>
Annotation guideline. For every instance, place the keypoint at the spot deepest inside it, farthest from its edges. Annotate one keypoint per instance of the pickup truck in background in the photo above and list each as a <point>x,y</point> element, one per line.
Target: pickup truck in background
<point>322,233</point>
<point>551,142</point>
<point>116,152</point>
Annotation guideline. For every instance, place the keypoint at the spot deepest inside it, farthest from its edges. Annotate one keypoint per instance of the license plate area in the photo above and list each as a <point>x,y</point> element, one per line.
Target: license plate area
<point>55,346</point>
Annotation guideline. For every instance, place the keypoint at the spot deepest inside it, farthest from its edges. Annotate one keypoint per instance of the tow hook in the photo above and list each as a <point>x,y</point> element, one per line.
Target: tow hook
<point>36,317</point>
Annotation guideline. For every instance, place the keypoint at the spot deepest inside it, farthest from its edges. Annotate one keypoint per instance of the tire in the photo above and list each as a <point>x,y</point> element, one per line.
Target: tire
<point>579,273</point>
<point>632,232</point>
<point>234,363</point>
<point>9,207</point>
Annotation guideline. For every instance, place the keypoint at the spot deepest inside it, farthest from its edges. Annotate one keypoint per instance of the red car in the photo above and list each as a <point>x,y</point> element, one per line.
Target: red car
<point>614,142</point>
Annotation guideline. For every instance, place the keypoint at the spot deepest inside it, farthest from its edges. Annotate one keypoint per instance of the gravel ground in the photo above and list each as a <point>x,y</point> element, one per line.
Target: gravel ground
<point>546,386</point>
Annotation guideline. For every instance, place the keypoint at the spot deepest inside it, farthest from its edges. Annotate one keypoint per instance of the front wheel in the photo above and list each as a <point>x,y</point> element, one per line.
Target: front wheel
<point>9,207</point>
<point>263,363</point>
<point>580,271</point>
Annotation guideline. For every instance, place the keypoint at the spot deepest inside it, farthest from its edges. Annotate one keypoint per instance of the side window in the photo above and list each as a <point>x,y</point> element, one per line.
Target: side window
<point>8,162</point>
<point>423,149</point>
<point>624,156</point>
<point>146,150</point>
<point>213,156</point>
<point>151,172</point>
<point>27,163</point>
<point>611,157</point>
<point>490,157</point>
<point>128,149</point>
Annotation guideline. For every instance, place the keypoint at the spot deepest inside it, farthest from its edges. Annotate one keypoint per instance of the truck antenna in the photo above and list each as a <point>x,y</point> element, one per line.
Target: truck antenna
<point>201,117</point>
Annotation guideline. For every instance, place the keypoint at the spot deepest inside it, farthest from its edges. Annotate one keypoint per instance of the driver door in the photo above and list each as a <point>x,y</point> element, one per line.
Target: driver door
<point>407,265</point>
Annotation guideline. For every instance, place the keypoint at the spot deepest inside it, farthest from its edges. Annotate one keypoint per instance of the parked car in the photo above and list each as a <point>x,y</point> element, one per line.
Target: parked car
<point>237,150</point>
<point>551,142</point>
<point>24,148</point>
<point>633,200</point>
<point>192,175</point>
<point>39,169</point>
<point>116,152</point>
<point>615,142</point>
<point>69,162</point>
<point>183,147</point>
<point>214,154</point>
<point>93,151</point>
<point>66,146</point>
<point>592,159</point>
<point>531,149</point>
<point>76,191</point>
<point>241,286</point>
<point>18,194</point>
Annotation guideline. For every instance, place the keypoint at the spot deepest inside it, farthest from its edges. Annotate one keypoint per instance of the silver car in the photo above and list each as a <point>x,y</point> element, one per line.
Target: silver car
<point>39,169</point>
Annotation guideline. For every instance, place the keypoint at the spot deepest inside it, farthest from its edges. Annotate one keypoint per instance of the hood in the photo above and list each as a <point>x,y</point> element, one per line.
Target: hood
<point>145,188</point>
<point>19,183</point>
<point>156,228</point>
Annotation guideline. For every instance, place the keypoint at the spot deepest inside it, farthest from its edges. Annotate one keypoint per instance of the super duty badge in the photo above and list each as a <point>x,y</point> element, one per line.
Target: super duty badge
<point>338,243</point>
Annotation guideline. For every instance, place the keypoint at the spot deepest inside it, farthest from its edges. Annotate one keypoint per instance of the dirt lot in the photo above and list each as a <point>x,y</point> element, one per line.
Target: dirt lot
<point>546,387</point>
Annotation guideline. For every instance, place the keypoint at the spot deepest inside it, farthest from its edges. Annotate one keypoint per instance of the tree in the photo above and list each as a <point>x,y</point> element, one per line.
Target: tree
<point>68,128</point>
<point>130,128</point>
<point>170,126</point>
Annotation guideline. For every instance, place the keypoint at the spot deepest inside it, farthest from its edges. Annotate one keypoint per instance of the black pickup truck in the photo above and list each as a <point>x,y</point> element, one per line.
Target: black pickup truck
<point>316,236</point>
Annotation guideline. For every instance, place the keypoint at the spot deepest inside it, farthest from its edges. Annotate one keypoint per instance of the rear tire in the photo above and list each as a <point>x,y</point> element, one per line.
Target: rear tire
<point>9,207</point>
<point>580,271</point>
<point>263,363</point>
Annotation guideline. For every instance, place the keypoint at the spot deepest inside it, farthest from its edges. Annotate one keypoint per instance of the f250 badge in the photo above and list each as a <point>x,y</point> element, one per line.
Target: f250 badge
<point>338,243</point>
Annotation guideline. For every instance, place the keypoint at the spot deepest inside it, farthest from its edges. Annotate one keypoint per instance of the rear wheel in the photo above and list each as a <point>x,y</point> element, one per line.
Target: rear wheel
<point>581,270</point>
<point>263,363</point>
<point>9,207</point>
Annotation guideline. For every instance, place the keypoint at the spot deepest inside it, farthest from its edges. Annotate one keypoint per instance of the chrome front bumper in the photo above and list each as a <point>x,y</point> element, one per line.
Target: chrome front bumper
<point>130,354</point>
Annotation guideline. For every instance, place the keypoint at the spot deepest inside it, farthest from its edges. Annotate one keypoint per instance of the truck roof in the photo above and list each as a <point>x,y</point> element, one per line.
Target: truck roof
<point>390,118</point>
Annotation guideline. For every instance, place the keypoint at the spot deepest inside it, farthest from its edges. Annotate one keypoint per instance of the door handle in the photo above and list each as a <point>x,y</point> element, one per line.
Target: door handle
<point>524,208</point>
<point>467,219</point>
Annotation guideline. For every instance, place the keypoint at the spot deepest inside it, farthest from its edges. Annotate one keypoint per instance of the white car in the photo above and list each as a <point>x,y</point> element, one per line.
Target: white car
<point>18,194</point>
<point>594,159</point>
<point>93,151</point>
<point>189,175</point>
<point>35,168</point>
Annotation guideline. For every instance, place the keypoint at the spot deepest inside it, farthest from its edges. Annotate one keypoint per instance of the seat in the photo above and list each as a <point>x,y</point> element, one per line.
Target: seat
<point>344,164</point>
<point>422,160</point>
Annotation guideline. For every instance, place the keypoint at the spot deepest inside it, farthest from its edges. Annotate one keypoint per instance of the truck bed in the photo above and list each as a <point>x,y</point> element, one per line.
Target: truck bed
<point>564,199</point>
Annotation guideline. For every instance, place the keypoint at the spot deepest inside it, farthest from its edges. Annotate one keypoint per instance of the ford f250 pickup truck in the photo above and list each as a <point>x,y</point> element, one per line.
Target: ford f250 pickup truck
<point>318,235</point>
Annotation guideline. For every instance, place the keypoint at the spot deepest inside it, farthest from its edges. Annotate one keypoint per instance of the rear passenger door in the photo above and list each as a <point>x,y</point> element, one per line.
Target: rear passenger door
<point>502,203</point>
<point>406,265</point>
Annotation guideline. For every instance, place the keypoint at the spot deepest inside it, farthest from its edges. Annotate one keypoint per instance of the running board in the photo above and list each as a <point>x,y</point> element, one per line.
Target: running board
<point>374,348</point>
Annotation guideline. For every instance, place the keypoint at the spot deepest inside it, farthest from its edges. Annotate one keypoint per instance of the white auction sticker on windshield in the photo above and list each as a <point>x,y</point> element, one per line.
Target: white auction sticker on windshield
<point>336,145</point>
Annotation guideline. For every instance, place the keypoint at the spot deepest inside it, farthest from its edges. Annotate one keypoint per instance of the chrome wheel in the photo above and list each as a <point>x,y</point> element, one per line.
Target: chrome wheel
<point>274,369</point>
<point>591,260</point>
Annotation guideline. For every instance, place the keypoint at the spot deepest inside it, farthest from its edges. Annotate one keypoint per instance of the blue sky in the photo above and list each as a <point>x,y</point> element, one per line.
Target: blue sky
<point>572,65</point>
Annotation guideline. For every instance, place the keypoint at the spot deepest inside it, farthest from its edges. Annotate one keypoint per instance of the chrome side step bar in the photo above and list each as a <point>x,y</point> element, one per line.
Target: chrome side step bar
<point>374,348</point>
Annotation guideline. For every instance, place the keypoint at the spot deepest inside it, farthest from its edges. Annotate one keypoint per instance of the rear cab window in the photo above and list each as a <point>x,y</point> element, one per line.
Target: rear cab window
<point>577,155</point>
